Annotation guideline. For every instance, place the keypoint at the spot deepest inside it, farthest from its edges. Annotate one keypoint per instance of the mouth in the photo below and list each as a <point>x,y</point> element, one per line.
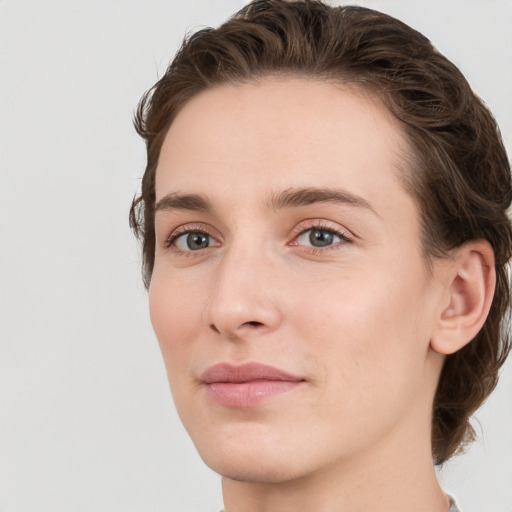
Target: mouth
<point>246,385</point>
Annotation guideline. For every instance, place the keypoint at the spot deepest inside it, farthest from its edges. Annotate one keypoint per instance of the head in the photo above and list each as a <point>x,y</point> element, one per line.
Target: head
<point>450,160</point>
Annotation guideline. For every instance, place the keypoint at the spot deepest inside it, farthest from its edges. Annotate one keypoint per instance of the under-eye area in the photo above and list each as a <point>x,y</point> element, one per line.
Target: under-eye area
<point>314,236</point>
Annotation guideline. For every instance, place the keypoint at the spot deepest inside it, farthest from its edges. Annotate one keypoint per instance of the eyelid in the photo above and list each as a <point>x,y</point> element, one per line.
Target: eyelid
<point>322,224</point>
<point>302,227</point>
<point>188,228</point>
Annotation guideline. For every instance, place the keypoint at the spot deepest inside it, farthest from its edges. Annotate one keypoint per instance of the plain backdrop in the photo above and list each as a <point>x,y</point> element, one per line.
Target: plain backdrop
<point>86,417</point>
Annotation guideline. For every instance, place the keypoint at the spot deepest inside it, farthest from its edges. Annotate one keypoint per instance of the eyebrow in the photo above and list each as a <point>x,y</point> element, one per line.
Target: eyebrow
<point>177,201</point>
<point>289,198</point>
<point>296,197</point>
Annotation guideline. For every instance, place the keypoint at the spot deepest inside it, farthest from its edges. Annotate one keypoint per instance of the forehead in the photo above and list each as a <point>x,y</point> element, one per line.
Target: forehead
<point>281,133</point>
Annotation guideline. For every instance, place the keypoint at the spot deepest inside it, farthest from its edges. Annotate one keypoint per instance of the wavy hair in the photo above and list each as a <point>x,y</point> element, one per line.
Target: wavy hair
<point>457,168</point>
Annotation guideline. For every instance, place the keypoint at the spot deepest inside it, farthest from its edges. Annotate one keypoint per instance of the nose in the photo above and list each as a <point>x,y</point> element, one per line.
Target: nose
<point>245,298</point>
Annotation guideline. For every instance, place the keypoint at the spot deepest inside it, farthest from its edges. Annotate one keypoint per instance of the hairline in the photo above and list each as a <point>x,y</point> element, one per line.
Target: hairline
<point>408,161</point>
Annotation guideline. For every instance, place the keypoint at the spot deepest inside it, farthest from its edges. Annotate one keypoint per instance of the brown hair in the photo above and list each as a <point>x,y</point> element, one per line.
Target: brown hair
<point>457,168</point>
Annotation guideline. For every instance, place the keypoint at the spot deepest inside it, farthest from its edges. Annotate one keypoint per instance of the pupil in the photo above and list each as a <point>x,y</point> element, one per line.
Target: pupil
<point>197,241</point>
<point>320,238</point>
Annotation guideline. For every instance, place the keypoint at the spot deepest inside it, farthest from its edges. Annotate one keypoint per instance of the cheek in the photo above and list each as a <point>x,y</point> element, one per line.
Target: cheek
<point>175,315</point>
<point>369,331</point>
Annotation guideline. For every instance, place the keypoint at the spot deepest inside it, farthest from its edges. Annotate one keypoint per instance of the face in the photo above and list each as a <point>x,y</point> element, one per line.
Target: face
<point>289,293</point>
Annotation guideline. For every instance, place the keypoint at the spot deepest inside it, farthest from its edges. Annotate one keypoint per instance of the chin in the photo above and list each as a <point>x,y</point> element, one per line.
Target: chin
<point>250,459</point>
<point>253,469</point>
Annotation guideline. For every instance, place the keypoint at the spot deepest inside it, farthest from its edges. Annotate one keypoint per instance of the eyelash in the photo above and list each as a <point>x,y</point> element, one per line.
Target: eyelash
<point>345,237</point>
<point>185,230</point>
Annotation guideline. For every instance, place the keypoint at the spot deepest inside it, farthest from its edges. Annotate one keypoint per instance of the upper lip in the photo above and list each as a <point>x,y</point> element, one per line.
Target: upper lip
<point>248,372</point>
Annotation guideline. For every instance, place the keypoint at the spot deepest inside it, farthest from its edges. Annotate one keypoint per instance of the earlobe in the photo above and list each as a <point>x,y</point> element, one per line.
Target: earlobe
<point>469,294</point>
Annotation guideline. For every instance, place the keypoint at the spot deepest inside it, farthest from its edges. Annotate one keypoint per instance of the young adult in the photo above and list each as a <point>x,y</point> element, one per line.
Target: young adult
<point>325,243</point>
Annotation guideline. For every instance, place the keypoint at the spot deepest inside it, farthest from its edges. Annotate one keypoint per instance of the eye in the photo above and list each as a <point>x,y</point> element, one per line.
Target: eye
<point>319,237</point>
<point>190,241</point>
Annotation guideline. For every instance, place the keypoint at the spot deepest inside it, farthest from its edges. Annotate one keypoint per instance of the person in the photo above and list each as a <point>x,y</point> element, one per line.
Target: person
<point>325,244</point>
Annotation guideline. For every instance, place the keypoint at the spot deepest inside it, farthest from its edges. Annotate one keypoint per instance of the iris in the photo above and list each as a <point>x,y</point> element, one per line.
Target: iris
<point>196,241</point>
<point>321,237</point>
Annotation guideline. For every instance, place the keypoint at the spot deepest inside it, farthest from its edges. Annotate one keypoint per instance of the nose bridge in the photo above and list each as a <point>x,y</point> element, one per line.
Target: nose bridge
<point>241,298</point>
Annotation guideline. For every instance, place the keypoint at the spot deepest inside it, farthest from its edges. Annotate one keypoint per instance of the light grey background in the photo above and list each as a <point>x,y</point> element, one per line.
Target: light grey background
<point>86,419</point>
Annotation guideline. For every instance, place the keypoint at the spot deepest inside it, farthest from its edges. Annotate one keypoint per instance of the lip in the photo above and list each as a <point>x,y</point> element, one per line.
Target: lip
<point>246,385</point>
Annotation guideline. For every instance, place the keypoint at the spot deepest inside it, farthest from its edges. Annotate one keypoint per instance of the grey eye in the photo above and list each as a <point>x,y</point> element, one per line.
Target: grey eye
<point>192,241</point>
<point>318,237</point>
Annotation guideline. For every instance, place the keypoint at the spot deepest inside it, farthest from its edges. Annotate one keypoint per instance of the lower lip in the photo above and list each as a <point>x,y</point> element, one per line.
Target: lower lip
<point>248,394</point>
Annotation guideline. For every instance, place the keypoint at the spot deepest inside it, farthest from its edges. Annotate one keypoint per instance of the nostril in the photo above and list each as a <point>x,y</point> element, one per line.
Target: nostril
<point>254,323</point>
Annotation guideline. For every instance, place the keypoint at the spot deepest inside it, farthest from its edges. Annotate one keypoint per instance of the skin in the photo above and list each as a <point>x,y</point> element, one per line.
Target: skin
<point>355,319</point>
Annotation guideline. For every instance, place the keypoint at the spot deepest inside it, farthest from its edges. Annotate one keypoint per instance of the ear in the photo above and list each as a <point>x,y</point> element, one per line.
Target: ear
<point>469,292</point>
